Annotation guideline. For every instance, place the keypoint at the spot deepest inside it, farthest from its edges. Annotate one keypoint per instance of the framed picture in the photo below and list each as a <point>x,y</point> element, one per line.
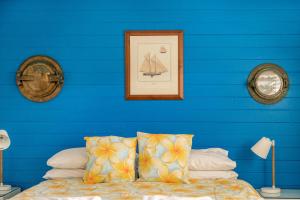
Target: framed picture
<point>154,65</point>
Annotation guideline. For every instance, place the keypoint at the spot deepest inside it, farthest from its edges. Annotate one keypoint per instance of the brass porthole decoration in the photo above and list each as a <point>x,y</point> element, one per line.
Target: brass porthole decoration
<point>40,78</point>
<point>268,83</point>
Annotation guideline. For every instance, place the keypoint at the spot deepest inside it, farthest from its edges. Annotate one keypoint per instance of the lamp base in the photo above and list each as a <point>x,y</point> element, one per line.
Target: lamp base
<point>270,190</point>
<point>5,187</point>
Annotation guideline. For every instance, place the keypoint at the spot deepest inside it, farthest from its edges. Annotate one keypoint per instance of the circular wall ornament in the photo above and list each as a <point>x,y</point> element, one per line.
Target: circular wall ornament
<point>268,83</point>
<point>40,78</point>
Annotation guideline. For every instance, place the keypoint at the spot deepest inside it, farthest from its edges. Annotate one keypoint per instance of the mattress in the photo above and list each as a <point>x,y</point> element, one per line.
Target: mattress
<point>74,189</point>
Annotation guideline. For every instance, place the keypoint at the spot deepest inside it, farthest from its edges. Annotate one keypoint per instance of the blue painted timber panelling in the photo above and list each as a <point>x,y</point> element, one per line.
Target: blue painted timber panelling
<point>223,41</point>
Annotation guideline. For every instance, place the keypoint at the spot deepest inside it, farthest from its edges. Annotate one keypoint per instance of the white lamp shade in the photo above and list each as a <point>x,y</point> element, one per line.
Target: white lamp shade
<point>4,140</point>
<point>262,147</point>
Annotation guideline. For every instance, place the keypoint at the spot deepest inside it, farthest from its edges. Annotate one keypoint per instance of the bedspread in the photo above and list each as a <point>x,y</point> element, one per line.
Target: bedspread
<point>74,189</point>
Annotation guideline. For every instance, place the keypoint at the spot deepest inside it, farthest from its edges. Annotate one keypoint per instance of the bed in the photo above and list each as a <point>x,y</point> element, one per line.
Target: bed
<point>74,189</point>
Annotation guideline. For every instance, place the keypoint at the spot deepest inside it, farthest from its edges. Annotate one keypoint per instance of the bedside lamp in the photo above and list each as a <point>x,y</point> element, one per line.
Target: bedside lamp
<point>4,144</point>
<point>262,148</point>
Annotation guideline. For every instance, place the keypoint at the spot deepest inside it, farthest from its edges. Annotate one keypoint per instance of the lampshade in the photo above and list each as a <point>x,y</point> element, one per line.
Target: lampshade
<point>4,140</point>
<point>262,147</point>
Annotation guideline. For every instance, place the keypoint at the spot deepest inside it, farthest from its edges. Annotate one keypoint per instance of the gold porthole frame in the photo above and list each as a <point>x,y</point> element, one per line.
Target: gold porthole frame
<point>40,78</point>
<point>278,73</point>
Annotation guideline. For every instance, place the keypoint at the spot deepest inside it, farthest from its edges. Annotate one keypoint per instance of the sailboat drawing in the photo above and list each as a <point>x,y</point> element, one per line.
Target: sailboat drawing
<point>152,66</point>
<point>163,49</point>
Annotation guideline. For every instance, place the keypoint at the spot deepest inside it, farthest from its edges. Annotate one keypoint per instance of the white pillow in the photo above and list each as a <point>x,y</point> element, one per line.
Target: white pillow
<point>213,150</point>
<point>64,173</point>
<point>79,173</point>
<point>210,161</point>
<point>74,158</point>
<point>212,174</point>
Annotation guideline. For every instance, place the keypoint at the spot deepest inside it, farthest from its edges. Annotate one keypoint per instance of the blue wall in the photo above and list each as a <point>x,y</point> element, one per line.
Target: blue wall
<point>224,41</point>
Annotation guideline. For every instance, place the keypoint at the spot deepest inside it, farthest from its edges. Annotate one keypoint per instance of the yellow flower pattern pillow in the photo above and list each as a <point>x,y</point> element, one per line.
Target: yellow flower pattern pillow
<point>110,159</point>
<point>164,157</point>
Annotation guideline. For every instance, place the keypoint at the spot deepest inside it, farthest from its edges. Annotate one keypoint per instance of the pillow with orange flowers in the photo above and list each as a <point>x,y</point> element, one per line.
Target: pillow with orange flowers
<point>164,157</point>
<point>110,159</point>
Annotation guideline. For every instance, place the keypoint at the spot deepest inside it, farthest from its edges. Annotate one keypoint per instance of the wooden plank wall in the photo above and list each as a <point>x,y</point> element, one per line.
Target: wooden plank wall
<point>224,41</point>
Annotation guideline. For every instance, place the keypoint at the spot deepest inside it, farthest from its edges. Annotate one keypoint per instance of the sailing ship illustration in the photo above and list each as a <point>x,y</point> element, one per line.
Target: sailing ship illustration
<point>152,66</point>
<point>163,49</point>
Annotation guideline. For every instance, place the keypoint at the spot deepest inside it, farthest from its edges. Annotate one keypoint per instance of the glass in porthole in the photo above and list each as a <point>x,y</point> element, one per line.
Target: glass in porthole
<point>268,83</point>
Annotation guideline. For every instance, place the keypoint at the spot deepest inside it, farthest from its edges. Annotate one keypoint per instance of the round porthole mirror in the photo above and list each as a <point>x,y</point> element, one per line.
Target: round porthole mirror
<point>268,83</point>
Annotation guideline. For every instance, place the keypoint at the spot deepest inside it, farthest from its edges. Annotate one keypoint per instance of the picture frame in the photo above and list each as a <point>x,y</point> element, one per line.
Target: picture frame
<point>154,65</point>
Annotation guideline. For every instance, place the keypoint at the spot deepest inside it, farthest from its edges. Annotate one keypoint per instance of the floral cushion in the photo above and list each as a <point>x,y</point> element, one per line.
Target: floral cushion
<point>111,159</point>
<point>164,157</point>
